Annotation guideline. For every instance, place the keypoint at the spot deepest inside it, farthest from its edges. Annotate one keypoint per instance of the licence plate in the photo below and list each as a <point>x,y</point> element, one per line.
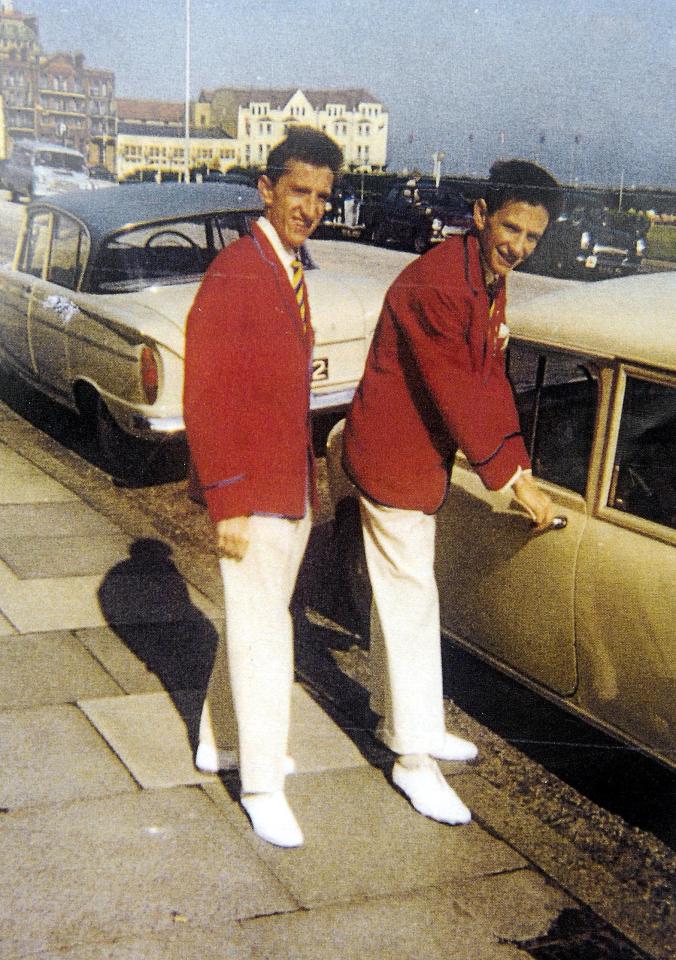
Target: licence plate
<point>320,369</point>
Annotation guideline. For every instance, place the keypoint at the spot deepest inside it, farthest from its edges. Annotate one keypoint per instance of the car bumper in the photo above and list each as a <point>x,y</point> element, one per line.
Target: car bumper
<point>333,401</point>
<point>156,427</point>
<point>608,266</point>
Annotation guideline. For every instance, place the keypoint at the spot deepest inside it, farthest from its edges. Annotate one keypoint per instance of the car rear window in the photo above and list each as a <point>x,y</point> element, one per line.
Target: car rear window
<point>60,161</point>
<point>175,251</point>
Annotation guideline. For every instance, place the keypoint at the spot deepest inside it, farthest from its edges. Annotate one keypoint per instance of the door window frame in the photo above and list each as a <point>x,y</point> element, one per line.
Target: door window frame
<point>604,510</point>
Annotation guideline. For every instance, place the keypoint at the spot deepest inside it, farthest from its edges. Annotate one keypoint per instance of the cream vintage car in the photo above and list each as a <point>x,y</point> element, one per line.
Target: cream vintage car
<point>585,614</point>
<point>93,308</point>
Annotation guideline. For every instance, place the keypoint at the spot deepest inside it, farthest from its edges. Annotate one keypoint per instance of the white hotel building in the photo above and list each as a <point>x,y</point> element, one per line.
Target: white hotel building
<point>258,118</point>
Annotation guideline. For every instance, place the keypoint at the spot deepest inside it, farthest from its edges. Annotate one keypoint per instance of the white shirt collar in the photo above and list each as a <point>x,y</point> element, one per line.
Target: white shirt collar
<point>285,257</point>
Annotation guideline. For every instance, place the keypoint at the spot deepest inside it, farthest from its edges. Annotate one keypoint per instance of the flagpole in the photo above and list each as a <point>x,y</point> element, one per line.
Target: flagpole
<point>186,149</point>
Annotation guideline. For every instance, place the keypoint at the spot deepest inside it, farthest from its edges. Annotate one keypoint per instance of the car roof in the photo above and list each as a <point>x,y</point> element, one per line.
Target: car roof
<point>46,145</point>
<point>107,211</point>
<point>632,319</point>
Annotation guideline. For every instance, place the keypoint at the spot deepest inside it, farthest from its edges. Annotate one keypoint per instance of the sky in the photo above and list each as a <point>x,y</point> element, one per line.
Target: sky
<point>587,89</point>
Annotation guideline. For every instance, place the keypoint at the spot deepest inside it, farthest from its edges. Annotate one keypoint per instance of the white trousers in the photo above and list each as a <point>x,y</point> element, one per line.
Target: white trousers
<point>405,654</point>
<point>252,676</point>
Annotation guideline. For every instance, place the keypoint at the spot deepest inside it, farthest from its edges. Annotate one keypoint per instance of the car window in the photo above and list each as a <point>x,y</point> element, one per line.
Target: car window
<point>168,252</point>
<point>59,161</point>
<point>70,247</point>
<point>556,396</point>
<point>36,244</point>
<point>644,470</point>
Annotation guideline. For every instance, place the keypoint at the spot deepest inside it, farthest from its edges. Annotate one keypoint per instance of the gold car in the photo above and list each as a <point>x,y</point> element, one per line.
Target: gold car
<point>586,614</point>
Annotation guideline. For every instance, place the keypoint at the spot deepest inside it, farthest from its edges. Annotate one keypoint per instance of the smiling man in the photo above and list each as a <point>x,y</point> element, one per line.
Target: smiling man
<point>246,407</point>
<point>434,383</point>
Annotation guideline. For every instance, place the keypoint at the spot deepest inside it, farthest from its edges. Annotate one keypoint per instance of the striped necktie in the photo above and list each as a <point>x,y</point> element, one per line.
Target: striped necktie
<point>298,283</point>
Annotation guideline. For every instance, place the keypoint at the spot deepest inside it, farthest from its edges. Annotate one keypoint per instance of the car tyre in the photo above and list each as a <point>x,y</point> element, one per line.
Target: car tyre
<point>127,459</point>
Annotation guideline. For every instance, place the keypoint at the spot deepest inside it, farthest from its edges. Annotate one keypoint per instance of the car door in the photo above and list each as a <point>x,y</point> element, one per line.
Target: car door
<point>504,590</point>
<point>16,292</point>
<point>626,577</point>
<point>53,306</point>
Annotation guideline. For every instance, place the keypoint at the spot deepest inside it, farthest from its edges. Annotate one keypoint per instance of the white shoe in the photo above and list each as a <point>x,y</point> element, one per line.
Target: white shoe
<point>272,818</point>
<point>455,748</point>
<point>209,759</point>
<point>425,787</point>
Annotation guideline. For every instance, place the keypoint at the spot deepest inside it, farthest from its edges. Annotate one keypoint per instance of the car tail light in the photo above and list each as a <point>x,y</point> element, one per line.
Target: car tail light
<point>150,376</point>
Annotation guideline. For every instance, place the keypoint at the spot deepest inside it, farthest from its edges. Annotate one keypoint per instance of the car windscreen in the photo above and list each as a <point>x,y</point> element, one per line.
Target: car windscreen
<point>60,161</point>
<point>442,198</point>
<point>173,251</point>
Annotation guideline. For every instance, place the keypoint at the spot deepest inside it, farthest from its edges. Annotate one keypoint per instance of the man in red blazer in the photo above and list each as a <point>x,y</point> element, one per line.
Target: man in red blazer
<point>434,382</point>
<point>246,406</point>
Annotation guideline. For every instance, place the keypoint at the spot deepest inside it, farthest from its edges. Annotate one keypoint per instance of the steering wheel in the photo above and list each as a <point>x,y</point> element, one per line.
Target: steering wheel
<point>151,241</point>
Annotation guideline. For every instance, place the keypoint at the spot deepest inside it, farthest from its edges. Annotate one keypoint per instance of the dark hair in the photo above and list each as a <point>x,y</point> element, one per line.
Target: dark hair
<point>523,182</point>
<point>307,145</point>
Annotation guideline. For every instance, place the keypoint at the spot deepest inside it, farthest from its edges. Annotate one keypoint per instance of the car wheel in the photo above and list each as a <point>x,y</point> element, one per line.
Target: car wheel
<point>126,458</point>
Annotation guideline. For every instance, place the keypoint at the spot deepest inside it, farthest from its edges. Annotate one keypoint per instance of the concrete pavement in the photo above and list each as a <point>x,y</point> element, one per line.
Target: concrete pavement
<point>112,844</point>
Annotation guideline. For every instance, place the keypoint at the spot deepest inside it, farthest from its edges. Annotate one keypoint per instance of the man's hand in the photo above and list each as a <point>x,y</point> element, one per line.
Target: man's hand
<point>232,537</point>
<point>537,504</point>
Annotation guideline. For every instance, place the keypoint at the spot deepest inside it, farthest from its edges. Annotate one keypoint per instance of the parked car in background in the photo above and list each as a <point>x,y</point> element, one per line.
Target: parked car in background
<point>235,176</point>
<point>343,217</point>
<point>93,308</point>
<point>417,214</point>
<point>36,168</point>
<point>585,615</point>
<point>99,172</point>
<point>588,245</point>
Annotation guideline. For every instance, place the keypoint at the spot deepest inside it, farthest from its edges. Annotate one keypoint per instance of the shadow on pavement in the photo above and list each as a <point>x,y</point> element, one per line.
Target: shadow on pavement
<point>146,601</point>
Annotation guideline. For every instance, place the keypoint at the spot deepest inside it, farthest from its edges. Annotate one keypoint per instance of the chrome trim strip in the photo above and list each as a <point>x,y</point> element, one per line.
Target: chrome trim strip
<point>157,424</point>
<point>333,400</point>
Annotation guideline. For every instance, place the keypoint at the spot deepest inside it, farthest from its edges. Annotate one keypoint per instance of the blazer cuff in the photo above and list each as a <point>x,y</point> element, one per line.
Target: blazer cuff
<point>519,472</point>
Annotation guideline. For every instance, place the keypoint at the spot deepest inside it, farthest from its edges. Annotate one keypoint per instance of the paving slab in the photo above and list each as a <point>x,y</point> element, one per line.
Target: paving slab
<point>152,734</point>
<point>363,840</point>
<point>185,942</point>
<point>75,556</point>
<point>49,668</point>
<point>22,482</point>
<point>126,866</point>
<point>50,755</point>
<point>155,736</point>
<point>7,629</point>
<point>49,520</point>
<point>146,658</point>
<point>466,920</point>
<point>570,867</point>
<point>38,606</point>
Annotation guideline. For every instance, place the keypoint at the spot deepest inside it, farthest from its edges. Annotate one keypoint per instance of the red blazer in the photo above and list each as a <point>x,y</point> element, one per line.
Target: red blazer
<point>434,381</point>
<point>247,386</point>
